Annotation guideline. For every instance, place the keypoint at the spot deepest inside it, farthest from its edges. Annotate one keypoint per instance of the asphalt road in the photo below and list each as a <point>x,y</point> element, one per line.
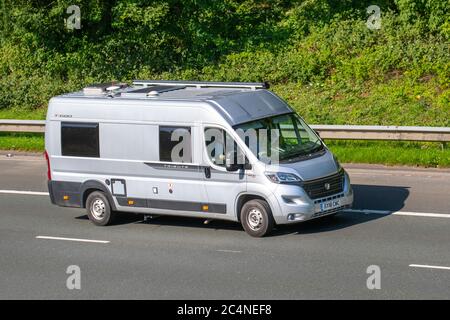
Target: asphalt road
<point>392,227</point>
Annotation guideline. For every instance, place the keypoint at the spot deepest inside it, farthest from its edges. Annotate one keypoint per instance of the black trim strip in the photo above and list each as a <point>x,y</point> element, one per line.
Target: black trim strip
<point>185,167</point>
<point>173,205</point>
<point>217,208</point>
<point>137,202</point>
<point>169,166</point>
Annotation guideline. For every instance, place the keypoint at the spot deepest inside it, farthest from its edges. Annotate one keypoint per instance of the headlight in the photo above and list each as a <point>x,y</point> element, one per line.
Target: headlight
<point>282,177</point>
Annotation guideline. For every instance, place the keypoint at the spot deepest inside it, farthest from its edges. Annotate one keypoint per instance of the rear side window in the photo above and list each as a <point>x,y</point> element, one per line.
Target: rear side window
<point>175,144</point>
<point>79,139</point>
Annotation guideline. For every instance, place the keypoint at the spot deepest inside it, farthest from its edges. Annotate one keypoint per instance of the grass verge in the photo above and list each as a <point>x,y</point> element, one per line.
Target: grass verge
<point>424,154</point>
<point>35,114</point>
<point>22,142</point>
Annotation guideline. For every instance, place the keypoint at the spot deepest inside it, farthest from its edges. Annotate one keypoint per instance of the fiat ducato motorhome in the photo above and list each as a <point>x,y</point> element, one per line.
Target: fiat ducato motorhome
<point>161,147</point>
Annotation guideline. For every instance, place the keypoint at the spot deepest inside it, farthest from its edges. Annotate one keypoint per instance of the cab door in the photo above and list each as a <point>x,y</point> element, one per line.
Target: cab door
<point>222,186</point>
<point>176,184</point>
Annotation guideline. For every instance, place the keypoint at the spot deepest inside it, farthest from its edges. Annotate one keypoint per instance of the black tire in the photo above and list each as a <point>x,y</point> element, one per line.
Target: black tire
<point>98,209</point>
<point>256,218</point>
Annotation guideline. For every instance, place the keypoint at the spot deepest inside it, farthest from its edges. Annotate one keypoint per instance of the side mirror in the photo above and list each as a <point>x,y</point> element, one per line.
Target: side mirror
<point>232,163</point>
<point>232,167</point>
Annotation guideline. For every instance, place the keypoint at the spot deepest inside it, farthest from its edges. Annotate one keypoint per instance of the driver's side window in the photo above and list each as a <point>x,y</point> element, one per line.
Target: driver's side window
<point>215,141</point>
<point>218,142</point>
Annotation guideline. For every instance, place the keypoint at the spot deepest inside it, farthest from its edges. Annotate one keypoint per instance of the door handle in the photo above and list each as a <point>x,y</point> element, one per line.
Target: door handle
<point>207,172</point>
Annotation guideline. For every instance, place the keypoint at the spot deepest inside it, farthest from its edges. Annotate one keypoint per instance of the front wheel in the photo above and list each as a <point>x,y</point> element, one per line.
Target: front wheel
<point>256,218</point>
<point>98,209</point>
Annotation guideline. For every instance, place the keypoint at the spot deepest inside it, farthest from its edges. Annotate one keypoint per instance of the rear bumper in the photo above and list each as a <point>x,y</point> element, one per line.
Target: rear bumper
<point>66,194</point>
<point>50,192</point>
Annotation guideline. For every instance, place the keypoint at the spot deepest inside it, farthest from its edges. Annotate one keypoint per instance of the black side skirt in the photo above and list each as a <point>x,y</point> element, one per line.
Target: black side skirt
<point>172,205</point>
<point>69,194</point>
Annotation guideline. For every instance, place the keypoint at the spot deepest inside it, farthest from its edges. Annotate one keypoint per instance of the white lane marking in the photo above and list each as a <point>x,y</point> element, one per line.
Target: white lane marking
<point>71,239</point>
<point>428,266</point>
<point>368,211</point>
<point>34,193</point>
<point>400,213</point>
<point>229,251</point>
<point>365,211</point>
<point>370,173</point>
<point>422,214</point>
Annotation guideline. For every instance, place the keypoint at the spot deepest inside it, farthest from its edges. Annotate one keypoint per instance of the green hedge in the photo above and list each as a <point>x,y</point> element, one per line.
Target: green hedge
<point>318,54</point>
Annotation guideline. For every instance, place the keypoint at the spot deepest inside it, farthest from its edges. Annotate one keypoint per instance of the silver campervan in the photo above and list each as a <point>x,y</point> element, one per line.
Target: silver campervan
<point>213,150</point>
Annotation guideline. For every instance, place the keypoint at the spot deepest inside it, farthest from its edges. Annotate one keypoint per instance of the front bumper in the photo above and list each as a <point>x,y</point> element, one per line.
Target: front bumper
<point>296,206</point>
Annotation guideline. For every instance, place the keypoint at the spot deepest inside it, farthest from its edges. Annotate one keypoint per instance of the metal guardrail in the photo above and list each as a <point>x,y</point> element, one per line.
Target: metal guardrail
<point>335,132</point>
<point>35,126</point>
<point>399,133</point>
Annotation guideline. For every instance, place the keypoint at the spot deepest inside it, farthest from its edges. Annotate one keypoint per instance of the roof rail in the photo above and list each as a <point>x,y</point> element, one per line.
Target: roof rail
<point>203,84</point>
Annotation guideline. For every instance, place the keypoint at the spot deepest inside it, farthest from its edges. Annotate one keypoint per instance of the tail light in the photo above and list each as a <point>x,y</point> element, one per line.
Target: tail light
<point>49,174</point>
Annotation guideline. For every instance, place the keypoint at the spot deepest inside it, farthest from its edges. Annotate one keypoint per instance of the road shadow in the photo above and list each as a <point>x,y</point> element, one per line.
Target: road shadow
<point>373,197</point>
<point>193,223</point>
<point>122,218</point>
<point>174,221</point>
<point>370,197</point>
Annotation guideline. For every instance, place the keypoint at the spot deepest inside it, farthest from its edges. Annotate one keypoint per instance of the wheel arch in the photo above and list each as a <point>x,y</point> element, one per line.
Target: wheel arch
<point>245,197</point>
<point>90,186</point>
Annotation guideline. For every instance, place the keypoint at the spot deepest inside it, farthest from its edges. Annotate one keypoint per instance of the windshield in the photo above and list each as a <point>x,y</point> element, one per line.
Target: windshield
<point>284,138</point>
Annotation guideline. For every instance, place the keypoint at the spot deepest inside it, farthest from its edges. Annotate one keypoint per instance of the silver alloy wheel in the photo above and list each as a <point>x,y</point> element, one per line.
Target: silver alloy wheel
<point>255,219</point>
<point>98,209</point>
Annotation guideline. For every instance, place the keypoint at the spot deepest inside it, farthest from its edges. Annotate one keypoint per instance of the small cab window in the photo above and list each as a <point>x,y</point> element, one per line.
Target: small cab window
<point>79,139</point>
<point>175,144</point>
<point>218,142</point>
<point>215,145</point>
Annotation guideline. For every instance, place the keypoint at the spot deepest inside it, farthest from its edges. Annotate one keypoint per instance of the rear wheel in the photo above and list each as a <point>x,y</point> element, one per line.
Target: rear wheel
<point>98,209</point>
<point>256,218</point>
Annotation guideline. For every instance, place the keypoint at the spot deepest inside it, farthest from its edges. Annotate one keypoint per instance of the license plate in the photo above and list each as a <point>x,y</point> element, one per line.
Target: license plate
<point>324,206</point>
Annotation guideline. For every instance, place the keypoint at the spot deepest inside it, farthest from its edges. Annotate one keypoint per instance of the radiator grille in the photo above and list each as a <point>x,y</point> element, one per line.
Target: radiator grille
<point>325,187</point>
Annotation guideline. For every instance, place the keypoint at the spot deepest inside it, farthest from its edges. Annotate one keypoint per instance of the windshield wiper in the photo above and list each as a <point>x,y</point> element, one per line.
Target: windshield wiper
<point>304,155</point>
<point>316,149</point>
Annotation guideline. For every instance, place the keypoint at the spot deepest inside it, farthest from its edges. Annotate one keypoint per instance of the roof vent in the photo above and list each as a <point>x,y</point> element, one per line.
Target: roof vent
<point>102,88</point>
<point>153,93</point>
